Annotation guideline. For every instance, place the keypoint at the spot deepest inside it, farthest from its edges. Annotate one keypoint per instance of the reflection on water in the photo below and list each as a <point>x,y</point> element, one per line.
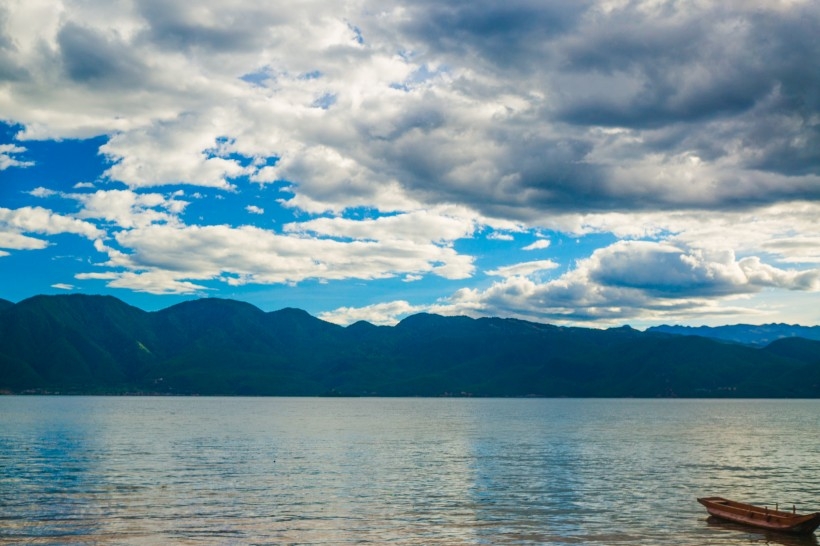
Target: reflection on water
<point>755,536</point>
<point>133,471</point>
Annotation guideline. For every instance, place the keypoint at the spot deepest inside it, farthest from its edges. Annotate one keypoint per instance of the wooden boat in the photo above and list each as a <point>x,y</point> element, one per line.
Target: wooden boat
<point>762,517</point>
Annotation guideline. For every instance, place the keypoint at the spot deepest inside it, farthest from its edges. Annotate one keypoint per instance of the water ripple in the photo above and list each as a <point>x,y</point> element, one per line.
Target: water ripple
<point>135,471</point>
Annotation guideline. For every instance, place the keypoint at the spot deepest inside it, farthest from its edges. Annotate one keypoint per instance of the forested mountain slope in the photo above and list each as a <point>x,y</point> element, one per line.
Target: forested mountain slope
<point>98,344</point>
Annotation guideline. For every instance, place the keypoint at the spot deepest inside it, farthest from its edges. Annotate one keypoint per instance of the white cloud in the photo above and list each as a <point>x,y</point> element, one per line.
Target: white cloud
<point>538,245</point>
<point>185,150</point>
<point>7,159</point>
<point>42,192</point>
<point>496,236</point>
<point>16,222</point>
<point>523,269</point>
<point>664,270</point>
<point>18,241</point>
<point>381,314</point>
<point>784,231</point>
<point>764,275</point>
<point>172,255</point>
<point>129,209</point>
<point>151,281</point>
<point>442,225</point>
<point>63,286</point>
<point>253,209</point>
<point>634,280</point>
<point>794,249</point>
<point>125,208</point>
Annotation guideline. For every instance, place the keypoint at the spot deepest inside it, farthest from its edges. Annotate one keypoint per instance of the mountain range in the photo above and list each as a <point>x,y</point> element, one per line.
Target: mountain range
<point>747,334</point>
<point>81,344</point>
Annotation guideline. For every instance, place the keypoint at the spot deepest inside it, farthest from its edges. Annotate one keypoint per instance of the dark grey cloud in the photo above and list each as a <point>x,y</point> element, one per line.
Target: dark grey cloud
<point>752,70</point>
<point>216,29</point>
<point>520,109</point>
<point>689,65</point>
<point>652,73</point>
<point>10,68</point>
<point>512,34</point>
<point>91,57</point>
<point>734,88</point>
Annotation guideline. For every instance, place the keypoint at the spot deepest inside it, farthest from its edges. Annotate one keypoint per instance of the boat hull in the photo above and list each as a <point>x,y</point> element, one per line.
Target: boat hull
<point>761,517</point>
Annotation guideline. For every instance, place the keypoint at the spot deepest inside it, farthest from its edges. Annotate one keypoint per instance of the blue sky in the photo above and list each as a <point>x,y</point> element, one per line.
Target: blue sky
<point>591,163</point>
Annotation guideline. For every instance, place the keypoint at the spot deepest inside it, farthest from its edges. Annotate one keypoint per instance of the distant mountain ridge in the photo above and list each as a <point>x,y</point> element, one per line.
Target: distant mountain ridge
<point>746,334</point>
<point>101,345</point>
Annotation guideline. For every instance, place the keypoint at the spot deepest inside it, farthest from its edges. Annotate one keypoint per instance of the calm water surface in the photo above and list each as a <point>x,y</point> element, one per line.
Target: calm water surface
<point>133,471</point>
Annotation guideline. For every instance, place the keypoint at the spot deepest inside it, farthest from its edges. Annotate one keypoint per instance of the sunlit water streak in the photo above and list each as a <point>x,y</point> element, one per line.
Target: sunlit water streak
<point>133,471</point>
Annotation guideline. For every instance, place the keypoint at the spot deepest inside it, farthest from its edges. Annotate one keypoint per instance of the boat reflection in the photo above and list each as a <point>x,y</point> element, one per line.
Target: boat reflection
<point>758,536</point>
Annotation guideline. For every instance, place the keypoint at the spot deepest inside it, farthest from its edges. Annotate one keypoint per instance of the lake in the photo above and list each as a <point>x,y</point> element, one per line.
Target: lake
<point>165,470</point>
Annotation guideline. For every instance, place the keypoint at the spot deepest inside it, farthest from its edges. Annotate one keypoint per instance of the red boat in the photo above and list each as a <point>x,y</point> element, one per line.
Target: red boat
<point>762,517</point>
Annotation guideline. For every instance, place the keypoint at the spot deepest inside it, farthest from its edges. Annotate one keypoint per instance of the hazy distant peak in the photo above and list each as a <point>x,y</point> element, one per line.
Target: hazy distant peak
<point>747,334</point>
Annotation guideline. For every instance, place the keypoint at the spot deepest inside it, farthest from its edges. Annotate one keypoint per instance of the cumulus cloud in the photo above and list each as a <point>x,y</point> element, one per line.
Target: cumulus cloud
<point>690,131</point>
<point>123,208</point>
<point>513,110</point>
<point>496,236</point>
<point>764,275</point>
<point>187,149</point>
<point>169,256</point>
<point>253,209</point>
<point>18,241</point>
<point>782,231</point>
<point>152,281</point>
<point>381,314</point>
<point>523,269</point>
<point>441,225</point>
<point>42,192</point>
<point>8,159</point>
<point>16,223</point>
<point>540,244</point>
<point>646,89</point>
<point>128,209</point>
<point>633,280</point>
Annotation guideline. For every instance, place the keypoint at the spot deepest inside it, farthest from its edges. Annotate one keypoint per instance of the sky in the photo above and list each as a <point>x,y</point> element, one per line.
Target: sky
<point>575,162</point>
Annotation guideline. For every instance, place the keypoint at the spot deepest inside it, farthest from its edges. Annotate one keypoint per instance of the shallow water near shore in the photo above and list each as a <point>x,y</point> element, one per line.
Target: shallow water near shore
<point>142,470</point>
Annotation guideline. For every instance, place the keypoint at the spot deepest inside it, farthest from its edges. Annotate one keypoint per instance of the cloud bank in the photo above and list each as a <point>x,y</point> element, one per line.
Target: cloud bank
<point>395,133</point>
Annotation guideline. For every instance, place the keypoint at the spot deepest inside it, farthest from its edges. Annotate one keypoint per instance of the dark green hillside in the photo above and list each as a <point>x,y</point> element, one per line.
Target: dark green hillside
<point>95,344</point>
<point>806,352</point>
<point>216,346</point>
<point>73,342</point>
<point>803,350</point>
<point>506,357</point>
<point>5,304</point>
<point>210,324</point>
<point>208,346</point>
